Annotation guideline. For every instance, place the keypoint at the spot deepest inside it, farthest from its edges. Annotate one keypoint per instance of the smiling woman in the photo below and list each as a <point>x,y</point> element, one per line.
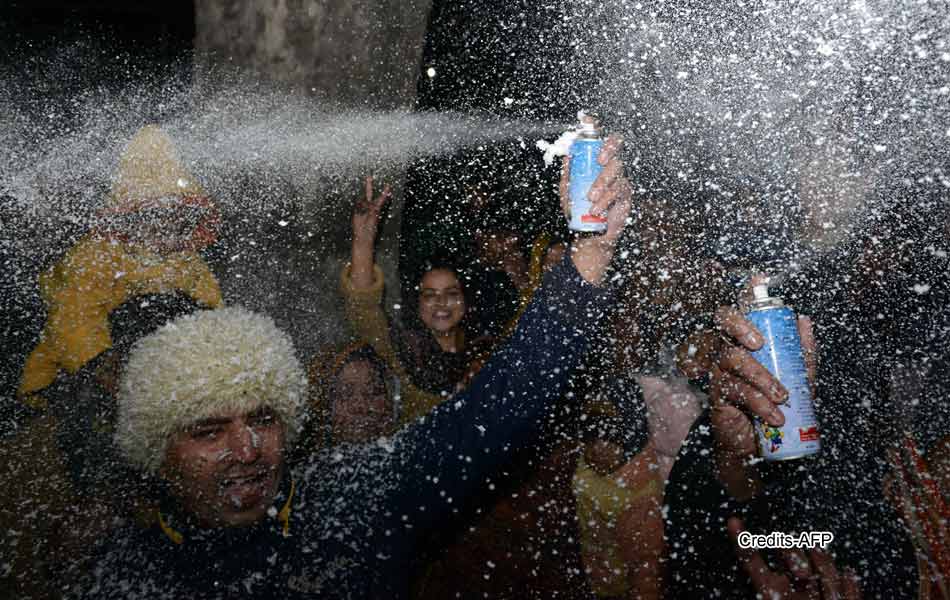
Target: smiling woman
<point>429,358</point>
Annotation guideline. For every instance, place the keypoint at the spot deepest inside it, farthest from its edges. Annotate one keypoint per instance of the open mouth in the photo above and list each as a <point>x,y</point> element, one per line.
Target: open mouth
<point>257,477</point>
<point>245,490</point>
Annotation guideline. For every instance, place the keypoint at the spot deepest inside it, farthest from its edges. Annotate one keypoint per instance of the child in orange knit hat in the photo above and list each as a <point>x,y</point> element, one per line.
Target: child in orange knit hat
<point>155,220</point>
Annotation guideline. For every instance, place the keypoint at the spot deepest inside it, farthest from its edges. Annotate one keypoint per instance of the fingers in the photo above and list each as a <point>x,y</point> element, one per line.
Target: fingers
<point>733,430</point>
<point>618,214</point>
<point>829,578</point>
<point>368,183</point>
<point>851,586</point>
<point>610,150</point>
<point>697,355</point>
<point>733,324</point>
<point>611,184</point>
<point>802,571</point>
<point>383,196</point>
<point>608,187</point>
<point>835,584</point>
<point>752,562</point>
<point>368,204</point>
<point>796,562</point>
<point>563,186</point>
<point>739,379</point>
<point>731,390</point>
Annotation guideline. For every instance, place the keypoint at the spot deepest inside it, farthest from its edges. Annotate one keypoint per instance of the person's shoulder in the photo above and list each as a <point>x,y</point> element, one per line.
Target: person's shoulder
<point>128,544</point>
<point>123,560</point>
<point>349,483</point>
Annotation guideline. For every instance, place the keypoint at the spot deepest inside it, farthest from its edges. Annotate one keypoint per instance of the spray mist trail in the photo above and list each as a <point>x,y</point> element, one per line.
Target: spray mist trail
<point>809,113</point>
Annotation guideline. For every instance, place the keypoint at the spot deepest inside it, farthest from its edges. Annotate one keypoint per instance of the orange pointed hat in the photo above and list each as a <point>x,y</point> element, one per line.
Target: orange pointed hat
<point>149,169</point>
<point>150,173</point>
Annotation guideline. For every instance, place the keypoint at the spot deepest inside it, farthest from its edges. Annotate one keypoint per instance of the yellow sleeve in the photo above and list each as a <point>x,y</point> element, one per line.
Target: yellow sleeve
<point>364,312</point>
<point>599,501</point>
<point>82,289</point>
<point>78,291</point>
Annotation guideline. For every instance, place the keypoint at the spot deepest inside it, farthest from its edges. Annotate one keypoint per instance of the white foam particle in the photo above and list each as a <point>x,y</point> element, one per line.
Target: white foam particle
<point>560,147</point>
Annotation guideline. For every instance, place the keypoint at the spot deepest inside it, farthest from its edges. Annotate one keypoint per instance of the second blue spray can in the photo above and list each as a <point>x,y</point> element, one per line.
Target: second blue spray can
<point>782,355</point>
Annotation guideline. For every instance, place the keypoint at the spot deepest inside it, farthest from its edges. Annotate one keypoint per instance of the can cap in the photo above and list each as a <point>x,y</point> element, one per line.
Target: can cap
<point>760,291</point>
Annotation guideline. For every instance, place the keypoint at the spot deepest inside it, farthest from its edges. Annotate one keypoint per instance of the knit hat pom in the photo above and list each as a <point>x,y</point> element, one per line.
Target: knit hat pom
<point>150,169</point>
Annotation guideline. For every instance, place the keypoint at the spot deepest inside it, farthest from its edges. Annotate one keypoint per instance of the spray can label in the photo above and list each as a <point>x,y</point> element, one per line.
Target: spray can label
<point>782,355</point>
<point>584,170</point>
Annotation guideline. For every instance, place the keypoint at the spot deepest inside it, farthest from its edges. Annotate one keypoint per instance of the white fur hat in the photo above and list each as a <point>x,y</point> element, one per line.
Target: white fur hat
<point>208,363</point>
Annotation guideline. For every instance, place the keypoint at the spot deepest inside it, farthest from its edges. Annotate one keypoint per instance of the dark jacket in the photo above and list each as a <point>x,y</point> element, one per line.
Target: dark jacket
<point>356,513</point>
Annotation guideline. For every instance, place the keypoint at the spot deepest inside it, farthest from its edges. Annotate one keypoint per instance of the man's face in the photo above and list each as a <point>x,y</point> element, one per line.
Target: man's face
<point>226,470</point>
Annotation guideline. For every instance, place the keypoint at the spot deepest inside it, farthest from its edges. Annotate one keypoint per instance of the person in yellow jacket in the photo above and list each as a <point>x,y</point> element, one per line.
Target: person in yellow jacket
<point>639,423</point>
<point>430,361</point>
<point>145,241</point>
<point>155,220</point>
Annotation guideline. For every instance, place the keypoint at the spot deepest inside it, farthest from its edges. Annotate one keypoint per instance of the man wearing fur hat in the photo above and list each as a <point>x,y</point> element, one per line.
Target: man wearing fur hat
<point>146,240</point>
<point>210,404</point>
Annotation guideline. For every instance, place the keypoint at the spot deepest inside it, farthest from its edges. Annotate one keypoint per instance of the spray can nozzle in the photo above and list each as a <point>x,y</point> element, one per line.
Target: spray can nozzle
<point>587,122</point>
<point>760,291</point>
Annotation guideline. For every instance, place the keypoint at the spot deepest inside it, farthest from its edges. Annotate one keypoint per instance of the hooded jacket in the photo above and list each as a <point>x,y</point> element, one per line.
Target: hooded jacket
<point>104,268</point>
<point>346,524</point>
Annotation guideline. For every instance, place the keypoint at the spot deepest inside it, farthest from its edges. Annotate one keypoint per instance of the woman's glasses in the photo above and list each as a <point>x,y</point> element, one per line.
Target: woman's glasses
<point>449,297</point>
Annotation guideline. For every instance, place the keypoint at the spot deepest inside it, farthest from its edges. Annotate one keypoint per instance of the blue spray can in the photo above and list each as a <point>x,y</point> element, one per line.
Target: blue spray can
<point>782,355</point>
<point>584,170</point>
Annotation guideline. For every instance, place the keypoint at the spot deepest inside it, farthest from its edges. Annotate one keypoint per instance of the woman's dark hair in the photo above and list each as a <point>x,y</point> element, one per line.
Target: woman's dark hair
<point>428,366</point>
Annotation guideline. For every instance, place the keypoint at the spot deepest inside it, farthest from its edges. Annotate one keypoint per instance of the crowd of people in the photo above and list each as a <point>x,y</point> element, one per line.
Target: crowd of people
<point>572,419</point>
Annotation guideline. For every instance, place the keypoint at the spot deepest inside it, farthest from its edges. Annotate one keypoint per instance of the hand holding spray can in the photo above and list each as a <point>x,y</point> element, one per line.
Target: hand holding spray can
<point>584,170</point>
<point>782,355</point>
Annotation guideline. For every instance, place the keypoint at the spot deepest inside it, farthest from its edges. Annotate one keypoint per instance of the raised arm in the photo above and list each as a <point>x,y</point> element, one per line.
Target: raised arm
<point>365,225</point>
<point>459,447</point>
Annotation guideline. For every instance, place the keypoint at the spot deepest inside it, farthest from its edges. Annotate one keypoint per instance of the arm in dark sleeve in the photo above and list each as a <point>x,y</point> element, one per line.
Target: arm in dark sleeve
<point>449,454</point>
